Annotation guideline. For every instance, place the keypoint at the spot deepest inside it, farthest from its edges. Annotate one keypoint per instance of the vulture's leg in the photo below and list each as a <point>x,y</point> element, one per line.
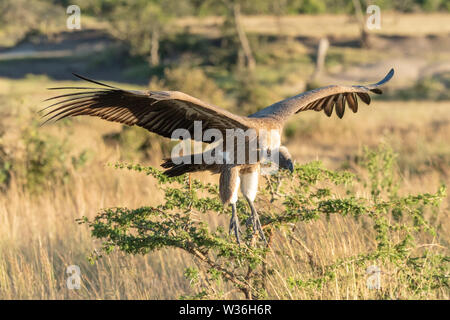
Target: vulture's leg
<point>228,190</point>
<point>255,220</point>
<point>234,223</point>
<point>249,188</point>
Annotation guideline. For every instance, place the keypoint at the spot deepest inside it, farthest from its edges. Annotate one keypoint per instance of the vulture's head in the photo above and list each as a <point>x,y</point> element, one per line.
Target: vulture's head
<point>286,159</point>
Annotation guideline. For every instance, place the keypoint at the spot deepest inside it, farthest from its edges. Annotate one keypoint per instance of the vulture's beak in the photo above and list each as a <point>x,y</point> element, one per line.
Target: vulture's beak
<point>291,166</point>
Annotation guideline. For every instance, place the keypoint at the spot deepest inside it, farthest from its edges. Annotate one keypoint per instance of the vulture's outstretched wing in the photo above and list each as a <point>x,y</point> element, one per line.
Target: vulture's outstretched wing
<point>326,99</point>
<point>160,112</point>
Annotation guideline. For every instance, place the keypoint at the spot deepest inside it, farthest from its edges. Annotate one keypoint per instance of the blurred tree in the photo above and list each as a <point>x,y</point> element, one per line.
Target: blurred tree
<point>19,18</point>
<point>98,8</point>
<point>235,6</point>
<point>365,39</point>
<point>278,8</point>
<point>322,49</point>
<point>141,24</point>
<point>233,17</point>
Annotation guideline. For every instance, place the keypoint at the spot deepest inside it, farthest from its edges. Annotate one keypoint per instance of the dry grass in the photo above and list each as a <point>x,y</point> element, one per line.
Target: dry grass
<point>39,237</point>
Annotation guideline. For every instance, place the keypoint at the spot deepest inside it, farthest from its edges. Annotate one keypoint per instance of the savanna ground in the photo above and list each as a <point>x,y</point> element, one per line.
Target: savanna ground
<point>52,175</point>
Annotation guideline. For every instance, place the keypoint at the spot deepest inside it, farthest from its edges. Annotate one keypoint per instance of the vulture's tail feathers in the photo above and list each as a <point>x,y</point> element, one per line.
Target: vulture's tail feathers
<point>179,168</point>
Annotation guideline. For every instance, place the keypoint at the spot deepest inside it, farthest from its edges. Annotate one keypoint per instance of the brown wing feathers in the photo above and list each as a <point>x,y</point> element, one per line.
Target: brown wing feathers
<point>339,101</point>
<point>157,111</point>
<point>164,111</point>
<point>352,101</point>
<point>326,98</point>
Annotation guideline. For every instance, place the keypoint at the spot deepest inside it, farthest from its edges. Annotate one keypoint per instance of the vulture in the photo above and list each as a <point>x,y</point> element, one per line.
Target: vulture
<point>169,113</point>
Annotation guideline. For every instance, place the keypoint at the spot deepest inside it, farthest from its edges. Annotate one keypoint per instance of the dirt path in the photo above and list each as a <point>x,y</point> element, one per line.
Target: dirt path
<point>67,52</point>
